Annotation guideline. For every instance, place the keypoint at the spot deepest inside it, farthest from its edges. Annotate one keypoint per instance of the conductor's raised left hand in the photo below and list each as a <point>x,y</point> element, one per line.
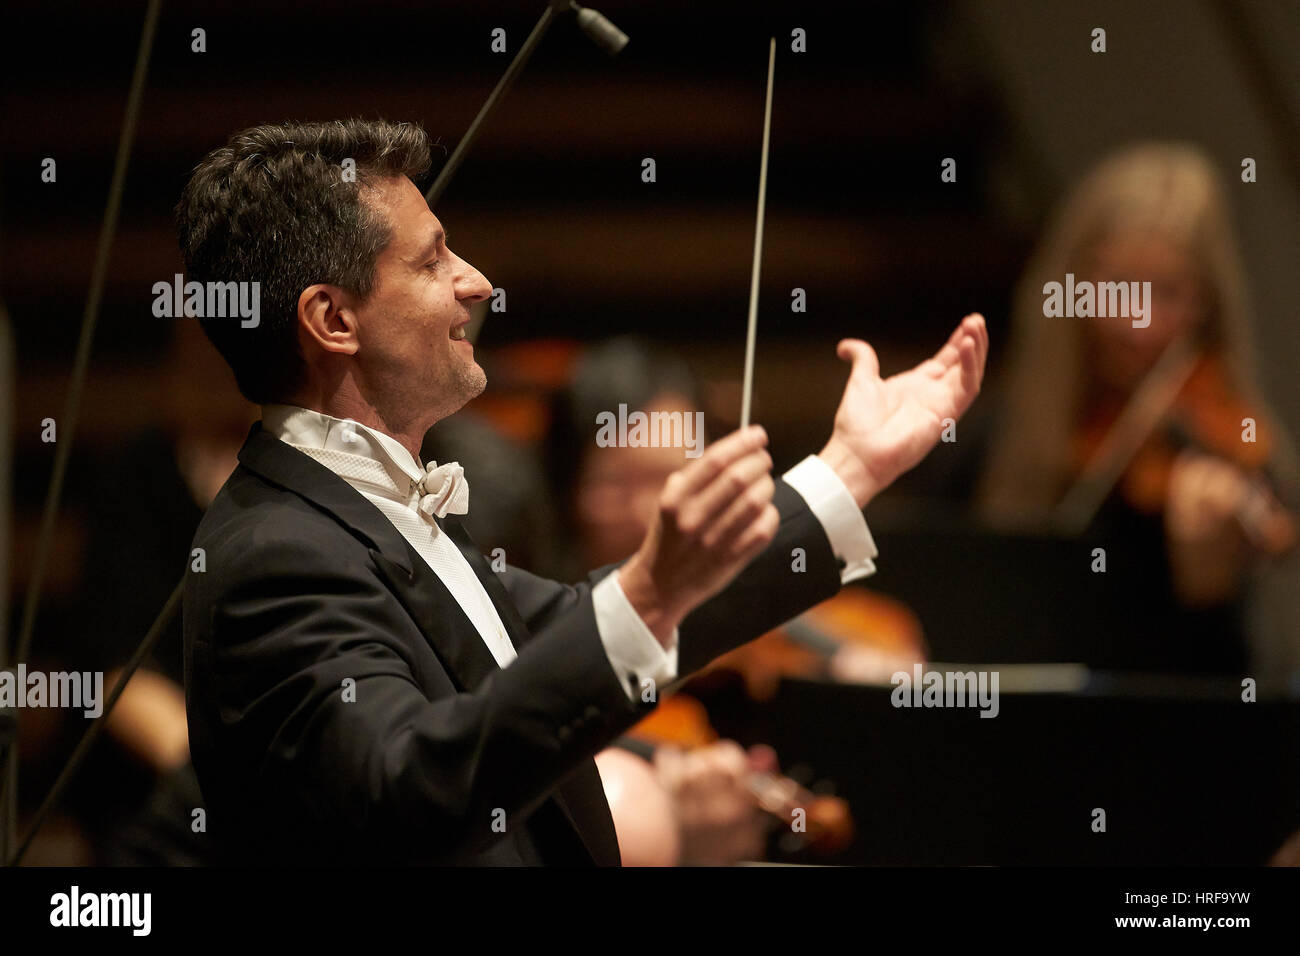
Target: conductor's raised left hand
<point>883,427</point>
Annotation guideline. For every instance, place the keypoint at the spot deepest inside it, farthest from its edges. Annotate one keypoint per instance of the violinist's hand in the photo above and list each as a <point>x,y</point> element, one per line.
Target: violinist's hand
<point>1207,549</point>
<point>885,426</point>
<point>718,815</point>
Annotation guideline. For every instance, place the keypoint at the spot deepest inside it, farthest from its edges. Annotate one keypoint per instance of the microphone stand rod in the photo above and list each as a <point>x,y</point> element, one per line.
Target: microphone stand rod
<point>68,424</point>
<point>592,23</point>
<point>596,26</point>
<point>164,618</point>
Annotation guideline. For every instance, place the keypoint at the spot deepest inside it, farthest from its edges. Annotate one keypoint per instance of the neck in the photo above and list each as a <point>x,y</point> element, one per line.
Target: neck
<point>345,401</point>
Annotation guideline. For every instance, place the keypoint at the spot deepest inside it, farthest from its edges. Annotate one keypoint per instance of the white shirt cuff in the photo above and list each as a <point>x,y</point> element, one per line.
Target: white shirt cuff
<point>839,514</point>
<point>634,653</point>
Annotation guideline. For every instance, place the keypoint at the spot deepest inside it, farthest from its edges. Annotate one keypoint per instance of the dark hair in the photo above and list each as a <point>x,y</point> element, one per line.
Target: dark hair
<point>624,370</point>
<point>274,206</point>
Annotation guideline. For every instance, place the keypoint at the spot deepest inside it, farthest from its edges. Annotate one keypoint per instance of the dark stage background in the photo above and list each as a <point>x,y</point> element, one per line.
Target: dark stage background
<point>551,207</point>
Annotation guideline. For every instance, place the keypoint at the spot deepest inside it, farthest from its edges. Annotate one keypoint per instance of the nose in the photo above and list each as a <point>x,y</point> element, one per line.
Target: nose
<point>471,285</point>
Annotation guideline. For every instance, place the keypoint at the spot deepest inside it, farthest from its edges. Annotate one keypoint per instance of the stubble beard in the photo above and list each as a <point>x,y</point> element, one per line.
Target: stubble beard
<point>466,382</point>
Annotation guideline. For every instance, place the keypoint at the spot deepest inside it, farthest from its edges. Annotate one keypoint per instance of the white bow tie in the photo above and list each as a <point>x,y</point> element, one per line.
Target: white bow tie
<point>443,490</point>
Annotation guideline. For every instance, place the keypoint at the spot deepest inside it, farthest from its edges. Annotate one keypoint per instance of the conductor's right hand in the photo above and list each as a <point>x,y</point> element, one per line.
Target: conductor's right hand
<point>714,516</point>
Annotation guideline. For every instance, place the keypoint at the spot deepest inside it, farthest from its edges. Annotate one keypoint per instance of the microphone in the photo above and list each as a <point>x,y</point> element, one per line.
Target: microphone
<point>599,29</point>
<point>594,24</point>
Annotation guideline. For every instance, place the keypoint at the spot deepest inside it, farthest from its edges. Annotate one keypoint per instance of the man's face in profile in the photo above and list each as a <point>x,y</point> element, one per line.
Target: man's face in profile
<point>412,324</point>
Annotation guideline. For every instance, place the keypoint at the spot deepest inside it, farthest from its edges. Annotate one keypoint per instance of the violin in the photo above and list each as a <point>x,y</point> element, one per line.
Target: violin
<point>1187,401</point>
<point>821,824</point>
<point>856,636</point>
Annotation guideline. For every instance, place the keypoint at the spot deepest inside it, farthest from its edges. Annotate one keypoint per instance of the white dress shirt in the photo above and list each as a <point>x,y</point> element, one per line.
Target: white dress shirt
<point>381,469</point>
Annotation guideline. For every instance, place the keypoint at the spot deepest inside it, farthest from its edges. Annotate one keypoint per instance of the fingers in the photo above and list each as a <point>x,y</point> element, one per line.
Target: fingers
<point>719,456</point>
<point>762,759</point>
<point>743,510</point>
<point>1204,493</point>
<point>859,353</point>
<point>709,775</point>
<point>980,330</point>
<point>970,368</point>
<point>970,329</point>
<point>711,521</point>
<point>729,761</point>
<point>969,348</point>
<point>738,492</point>
<point>950,352</point>
<point>759,535</point>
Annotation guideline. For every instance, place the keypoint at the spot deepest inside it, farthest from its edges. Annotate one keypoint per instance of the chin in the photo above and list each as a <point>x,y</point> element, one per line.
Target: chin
<point>479,383</point>
<point>472,383</point>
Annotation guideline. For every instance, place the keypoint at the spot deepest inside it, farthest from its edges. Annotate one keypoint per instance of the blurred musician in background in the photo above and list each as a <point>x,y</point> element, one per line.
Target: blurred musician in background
<point>1159,431</point>
<point>606,497</point>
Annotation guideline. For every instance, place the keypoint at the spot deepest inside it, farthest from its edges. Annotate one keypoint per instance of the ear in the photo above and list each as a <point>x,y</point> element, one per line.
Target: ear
<point>326,320</point>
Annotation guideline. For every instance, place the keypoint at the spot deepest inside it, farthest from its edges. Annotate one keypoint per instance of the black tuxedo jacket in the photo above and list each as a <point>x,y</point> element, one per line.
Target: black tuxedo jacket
<point>343,709</point>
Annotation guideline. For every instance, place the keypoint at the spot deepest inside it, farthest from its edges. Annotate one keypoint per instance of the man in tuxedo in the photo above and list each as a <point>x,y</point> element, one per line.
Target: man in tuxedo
<point>362,686</point>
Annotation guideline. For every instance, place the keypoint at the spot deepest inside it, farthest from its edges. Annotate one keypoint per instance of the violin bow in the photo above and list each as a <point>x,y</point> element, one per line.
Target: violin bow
<point>1154,396</point>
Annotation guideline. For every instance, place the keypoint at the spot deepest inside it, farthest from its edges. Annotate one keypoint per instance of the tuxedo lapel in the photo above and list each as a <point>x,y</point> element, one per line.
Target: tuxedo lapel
<point>581,795</point>
<point>514,624</point>
<point>438,615</point>
<point>440,618</point>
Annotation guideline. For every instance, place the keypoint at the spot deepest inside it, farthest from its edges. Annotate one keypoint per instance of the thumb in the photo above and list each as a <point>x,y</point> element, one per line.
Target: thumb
<point>859,353</point>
